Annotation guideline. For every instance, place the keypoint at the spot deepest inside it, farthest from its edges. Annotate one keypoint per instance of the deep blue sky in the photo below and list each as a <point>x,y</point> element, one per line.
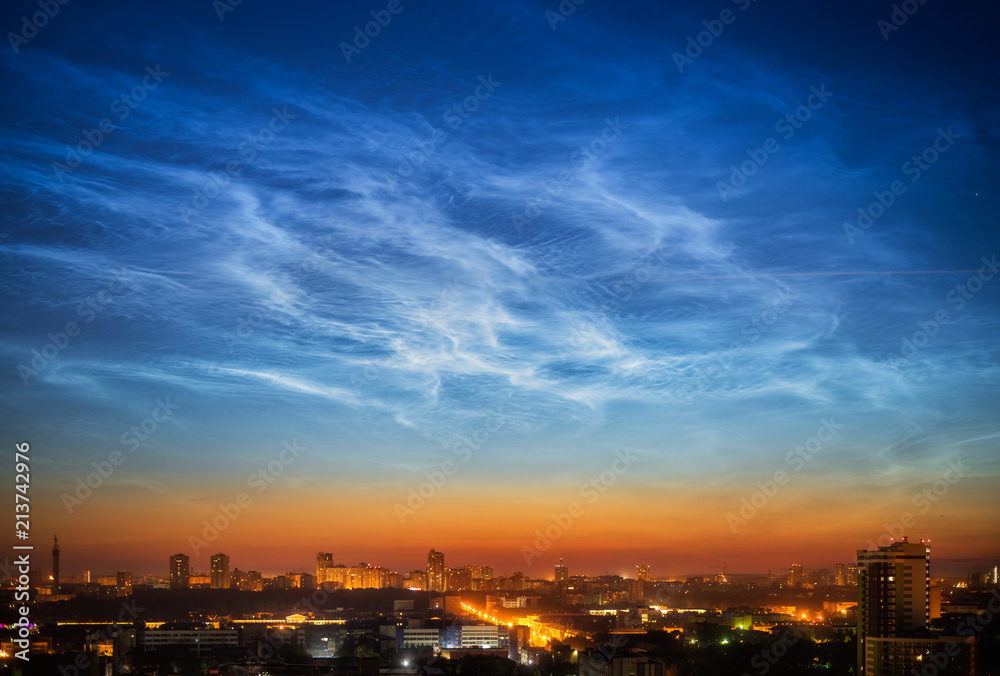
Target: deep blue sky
<point>393,306</point>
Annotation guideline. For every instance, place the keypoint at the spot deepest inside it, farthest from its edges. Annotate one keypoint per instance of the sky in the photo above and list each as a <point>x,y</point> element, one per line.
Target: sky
<point>694,285</point>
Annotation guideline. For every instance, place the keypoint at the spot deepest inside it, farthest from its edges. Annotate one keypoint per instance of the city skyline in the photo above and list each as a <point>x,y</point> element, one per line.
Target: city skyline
<point>696,286</point>
<point>330,560</point>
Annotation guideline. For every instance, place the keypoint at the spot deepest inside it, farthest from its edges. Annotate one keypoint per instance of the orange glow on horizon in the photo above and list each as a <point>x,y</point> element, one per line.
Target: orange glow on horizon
<point>683,531</point>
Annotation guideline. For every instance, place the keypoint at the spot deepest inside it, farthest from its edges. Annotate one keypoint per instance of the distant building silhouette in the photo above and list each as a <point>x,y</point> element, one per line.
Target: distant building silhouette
<point>55,566</point>
<point>180,571</point>
<point>435,571</point>
<point>220,572</point>
<point>795,575</point>
<point>123,583</point>
<point>481,575</point>
<point>562,572</point>
<point>416,579</point>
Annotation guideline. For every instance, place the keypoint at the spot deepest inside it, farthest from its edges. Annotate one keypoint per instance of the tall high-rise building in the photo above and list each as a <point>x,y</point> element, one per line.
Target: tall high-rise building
<point>562,573</point>
<point>840,575</point>
<point>55,566</point>
<point>893,589</point>
<point>481,571</point>
<point>361,576</point>
<point>642,573</point>
<point>520,639</point>
<point>893,611</point>
<point>795,575</point>
<point>254,580</point>
<point>324,560</point>
<point>852,574</point>
<point>457,579</point>
<point>435,571</point>
<point>123,583</point>
<point>220,572</point>
<point>416,579</point>
<point>180,571</point>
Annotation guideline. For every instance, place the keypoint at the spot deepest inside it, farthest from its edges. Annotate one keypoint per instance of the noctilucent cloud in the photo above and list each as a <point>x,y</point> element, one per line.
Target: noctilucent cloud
<point>690,285</point>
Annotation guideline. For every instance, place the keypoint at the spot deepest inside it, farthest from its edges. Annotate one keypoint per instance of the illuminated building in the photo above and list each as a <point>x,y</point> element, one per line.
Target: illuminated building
<point>457,579</point>
<point>219,577</point>
<point>123,583</point>
<point>324,560</point>
<point>598,664</point>
<point>795,575</point>
<point>893,611</point>
<point>520,637</point>
<point>419,638</point>
<point>361,576</point>
<point>416,579</point>
<point>642,573</point>
<point>455,636</point>
<point>435,572</point>
<point>250,580</point>
<point>474,636</point>
<point>482,575</point>
<point>840,575</point>
<point>481,572</point>
<point>180,571</point>
<point>956,655</point>
<point>636,590</point>
<point>893,589</point>
<point>562,573</point>
<point>153,639</point>
<point>373,577</point>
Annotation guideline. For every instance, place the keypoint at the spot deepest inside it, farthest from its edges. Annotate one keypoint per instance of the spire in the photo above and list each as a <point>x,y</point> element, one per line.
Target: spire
<point>55,565</point>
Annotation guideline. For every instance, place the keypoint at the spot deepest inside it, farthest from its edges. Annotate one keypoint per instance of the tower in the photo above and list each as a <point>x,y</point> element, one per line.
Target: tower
<point>795,575</point>
<point>893,589</point>
<point>435,571</point>
<point>893,611</point>
<point>324,560</point>
<point>123,583</point>
<point>180,572</point>
<point>562,572</point>
<point>220,572</point>
<point>55,566</point>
